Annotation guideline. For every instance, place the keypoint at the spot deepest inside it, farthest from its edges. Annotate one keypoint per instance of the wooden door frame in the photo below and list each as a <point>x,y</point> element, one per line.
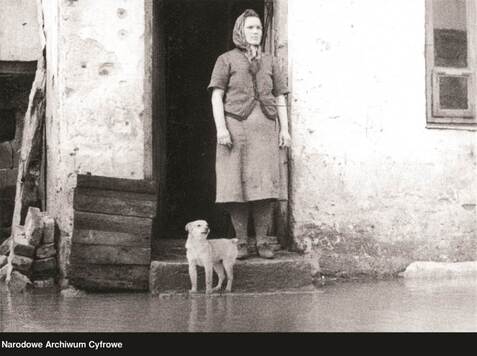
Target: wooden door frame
<point>148,89</point>
<point>277,45</point>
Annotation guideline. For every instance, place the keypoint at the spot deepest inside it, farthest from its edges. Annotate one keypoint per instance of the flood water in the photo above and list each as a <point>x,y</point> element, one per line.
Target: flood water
<point>384,306</point>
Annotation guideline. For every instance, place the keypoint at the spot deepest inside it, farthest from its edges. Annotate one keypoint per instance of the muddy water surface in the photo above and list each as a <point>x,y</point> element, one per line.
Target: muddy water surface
<point>398,305</point>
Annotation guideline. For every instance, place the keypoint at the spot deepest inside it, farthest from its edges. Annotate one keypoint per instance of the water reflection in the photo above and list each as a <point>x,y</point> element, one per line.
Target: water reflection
<point>206,312</point>
<point>399,305</point>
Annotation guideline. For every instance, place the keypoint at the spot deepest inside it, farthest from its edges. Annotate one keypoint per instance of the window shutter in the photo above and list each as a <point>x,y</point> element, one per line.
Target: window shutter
<point>451,62</point>
<point>453,93</point>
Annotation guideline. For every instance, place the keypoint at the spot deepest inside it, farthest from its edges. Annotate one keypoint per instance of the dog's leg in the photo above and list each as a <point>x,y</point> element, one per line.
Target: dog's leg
<point>221,273</point>
<point>193,277</point>
<point>229,269</point>
<point>208,277</point>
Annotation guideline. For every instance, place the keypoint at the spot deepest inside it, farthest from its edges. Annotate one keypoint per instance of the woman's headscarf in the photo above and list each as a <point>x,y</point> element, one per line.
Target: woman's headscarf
<point>252,52</point>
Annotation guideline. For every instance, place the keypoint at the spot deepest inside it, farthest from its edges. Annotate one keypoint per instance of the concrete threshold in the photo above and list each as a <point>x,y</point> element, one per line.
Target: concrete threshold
<point>286,271</point>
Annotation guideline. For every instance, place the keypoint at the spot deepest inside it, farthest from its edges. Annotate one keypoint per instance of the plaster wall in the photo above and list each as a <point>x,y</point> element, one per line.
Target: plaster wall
<point>19,40</point>
<point>367,177</point>
<point>95,107</point>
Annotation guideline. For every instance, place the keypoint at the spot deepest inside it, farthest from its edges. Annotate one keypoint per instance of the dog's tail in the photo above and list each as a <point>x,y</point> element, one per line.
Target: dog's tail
<point>235,241</point>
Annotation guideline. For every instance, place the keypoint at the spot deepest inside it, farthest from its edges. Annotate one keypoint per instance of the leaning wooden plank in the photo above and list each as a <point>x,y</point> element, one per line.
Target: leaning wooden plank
<point>103,222</point>
<point>109,255</point>
<point>27,193</point>
<point>96,237</point>
<point>29,166</point>
<point>115,202</point>
<point>119,184</point>
<point>5,247</point>
<point>110,272</point>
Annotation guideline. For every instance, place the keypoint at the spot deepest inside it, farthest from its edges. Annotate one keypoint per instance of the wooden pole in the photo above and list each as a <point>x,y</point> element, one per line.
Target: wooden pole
<point>29,165</point>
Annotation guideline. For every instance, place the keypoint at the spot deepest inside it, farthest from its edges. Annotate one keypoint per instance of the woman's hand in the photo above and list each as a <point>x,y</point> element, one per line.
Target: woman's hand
<point>285,139</point>
<point>223,138</point>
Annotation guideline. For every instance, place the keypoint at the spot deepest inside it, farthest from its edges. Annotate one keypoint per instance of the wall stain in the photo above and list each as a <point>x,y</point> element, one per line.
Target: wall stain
<point>105,68</point>
<point>122,13</point>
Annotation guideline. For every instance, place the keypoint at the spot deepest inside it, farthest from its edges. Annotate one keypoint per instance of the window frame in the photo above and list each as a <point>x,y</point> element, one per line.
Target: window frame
<point>449,118</point>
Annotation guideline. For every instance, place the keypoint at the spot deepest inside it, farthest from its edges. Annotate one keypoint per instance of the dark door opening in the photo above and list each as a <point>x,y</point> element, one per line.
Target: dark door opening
<point>189,36</point>
<point>16,80</point>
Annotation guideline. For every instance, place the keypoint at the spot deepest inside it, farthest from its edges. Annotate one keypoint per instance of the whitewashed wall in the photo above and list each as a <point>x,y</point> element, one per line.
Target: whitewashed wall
<point>364,166</point>
<point>19,39</point>
<point>96,94</point>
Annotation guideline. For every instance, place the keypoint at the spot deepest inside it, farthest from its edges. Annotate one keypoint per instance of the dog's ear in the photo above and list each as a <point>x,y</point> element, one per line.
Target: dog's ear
<point>187,227</point>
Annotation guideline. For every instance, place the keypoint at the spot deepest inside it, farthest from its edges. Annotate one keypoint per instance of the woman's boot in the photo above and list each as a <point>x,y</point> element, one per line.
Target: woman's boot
<point>239,216</point>
<point>262,217</point>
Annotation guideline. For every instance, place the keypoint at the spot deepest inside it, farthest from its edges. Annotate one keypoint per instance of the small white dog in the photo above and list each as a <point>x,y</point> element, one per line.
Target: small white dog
<point>216,254</point>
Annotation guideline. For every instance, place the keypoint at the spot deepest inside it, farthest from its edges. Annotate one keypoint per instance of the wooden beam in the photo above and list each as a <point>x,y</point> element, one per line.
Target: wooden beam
<point>98,284</point>
<point>31,150</point>
<point>109,255</point>
<point>115,202</point>
<point>111,247</point>
<point>110,272</point>
<point>95,237</point>
<point>118,184</point>
<point>29,165</point>
<point>104,222</point>
<point>148,93</point>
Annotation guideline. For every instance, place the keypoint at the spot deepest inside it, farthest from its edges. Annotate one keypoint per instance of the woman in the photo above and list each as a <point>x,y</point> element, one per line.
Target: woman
<point>248,96</point>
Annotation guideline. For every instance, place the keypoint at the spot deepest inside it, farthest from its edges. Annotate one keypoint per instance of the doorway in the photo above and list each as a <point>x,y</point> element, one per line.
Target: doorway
<point>189,35</point>
<point>16,80</point>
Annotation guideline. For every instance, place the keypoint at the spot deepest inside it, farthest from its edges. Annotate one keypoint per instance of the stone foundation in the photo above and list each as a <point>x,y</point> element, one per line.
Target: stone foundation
<point>31,258</point>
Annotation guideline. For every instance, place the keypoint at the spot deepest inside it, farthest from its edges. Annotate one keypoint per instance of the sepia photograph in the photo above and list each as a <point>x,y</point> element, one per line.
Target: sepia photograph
<point>236,166</point>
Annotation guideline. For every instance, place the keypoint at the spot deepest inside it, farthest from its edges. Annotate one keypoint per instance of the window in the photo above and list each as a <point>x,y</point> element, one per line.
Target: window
<point>451,63</point>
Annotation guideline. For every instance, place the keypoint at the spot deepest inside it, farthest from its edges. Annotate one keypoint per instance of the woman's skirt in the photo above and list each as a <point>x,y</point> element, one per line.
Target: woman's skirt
<point>255,167</point>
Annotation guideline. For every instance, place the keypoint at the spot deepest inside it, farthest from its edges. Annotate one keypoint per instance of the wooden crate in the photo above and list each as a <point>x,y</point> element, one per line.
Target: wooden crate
<point>111,244</point>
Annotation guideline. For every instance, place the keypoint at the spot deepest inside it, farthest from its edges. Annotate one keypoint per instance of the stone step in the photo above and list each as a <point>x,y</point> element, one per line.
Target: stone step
<point>286,271</point>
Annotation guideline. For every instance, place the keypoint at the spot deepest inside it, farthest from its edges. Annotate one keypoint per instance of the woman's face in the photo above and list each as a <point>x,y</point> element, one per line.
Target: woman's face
<point>253,30</point>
